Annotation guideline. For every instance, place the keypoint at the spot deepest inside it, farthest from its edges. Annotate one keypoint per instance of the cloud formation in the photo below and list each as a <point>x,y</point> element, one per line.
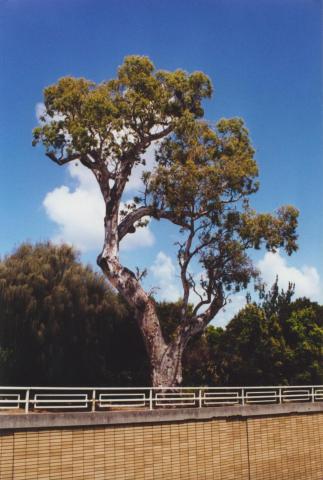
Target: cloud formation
<point>78,214</point>
<point>163,273</point>
<point>307,280</point>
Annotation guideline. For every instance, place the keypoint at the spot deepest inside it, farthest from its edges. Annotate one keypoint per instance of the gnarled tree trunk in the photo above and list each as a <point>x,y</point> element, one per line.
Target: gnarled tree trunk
<point>168,370</point>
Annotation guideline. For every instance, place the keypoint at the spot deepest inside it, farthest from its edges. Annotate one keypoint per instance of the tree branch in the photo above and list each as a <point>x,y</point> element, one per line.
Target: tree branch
<point>62,160</point>
<point>157,136</point>
<point>184,266</point>
<point>126,226</point>
<point>218,302</point>
<point>197,323</point>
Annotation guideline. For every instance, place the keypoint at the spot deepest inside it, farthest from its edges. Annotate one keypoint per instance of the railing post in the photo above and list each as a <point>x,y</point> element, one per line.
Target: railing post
<point>150,399</point>
<point>280,394</point>
<point>242,396</point>
<point>200,398</point>
<point>93,400</point>
<point>313,395</point>
<point>27,401</point>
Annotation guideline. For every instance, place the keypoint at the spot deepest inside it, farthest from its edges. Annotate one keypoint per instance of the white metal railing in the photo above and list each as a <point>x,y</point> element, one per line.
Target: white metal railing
<point>101,398</point>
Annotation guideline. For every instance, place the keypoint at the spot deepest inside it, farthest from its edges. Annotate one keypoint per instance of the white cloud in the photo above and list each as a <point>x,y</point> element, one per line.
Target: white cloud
<point>307,283</point>
<point>307,280</point>
<point>143,237</point>
<point>78,214</point>
<point>164,274</point>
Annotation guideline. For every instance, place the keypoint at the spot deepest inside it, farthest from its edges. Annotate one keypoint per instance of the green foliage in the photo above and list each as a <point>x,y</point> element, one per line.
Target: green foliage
<point>200,361</point>
<point>87,118</point>
<point>279,341</point>
<point>252,349</point>
<point>205,176</point>
<point>60,323</point>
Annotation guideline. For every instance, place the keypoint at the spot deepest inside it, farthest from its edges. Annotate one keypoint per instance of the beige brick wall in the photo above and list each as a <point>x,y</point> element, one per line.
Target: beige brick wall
<point>286,447</point>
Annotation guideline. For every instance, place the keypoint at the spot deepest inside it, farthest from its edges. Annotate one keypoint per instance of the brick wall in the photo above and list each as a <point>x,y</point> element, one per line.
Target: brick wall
<point>284,447</point>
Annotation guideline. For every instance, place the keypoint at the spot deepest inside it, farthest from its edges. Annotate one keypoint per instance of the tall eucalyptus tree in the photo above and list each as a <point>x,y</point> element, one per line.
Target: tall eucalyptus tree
<point>201,182</point>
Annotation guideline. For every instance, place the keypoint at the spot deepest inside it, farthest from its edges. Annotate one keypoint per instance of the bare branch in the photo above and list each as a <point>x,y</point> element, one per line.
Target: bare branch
<point>199,322</point>
<point>193,284</point>
<point>187,257</point>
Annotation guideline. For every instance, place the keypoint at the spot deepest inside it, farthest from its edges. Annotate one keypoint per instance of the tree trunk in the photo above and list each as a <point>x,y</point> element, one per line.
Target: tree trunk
<point>165,360</point>
<point>167,372</point>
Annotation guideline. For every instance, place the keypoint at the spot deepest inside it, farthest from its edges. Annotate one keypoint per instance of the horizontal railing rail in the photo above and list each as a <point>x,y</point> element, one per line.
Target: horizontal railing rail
<point>38,399</point>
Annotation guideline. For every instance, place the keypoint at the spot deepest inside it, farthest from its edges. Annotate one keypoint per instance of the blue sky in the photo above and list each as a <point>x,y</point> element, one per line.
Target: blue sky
<point>265,61</point>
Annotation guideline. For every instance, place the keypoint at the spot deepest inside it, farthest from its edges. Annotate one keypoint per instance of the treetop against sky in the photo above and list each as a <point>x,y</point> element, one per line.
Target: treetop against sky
<point>264,60</point>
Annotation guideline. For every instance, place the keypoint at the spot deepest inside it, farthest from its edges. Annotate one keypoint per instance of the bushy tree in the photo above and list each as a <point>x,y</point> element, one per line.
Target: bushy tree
<point>252,350</point>
<point>61,324</point>
<point>203,178</point>
<point>278,341</point>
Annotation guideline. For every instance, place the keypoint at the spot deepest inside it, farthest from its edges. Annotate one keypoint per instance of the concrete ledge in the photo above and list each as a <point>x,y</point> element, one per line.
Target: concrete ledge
<point>79,419</point>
